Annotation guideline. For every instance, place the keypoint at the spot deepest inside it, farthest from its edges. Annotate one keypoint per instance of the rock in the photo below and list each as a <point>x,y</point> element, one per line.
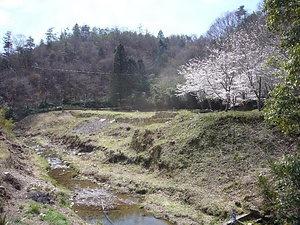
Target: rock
<point>9,178</point>
<point>40,196</point>
<point>172,142</point>
<point>3,193</point>
<point>238,204</point>
<point>255,213</point>
<point>141,191</point>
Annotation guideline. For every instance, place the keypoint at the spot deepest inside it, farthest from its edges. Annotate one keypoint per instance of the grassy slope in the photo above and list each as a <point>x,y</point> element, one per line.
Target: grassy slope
<point>194,167</point>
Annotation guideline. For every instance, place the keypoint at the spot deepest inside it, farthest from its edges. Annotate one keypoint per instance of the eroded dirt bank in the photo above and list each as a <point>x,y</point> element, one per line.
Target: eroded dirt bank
<point>93,202</point>
<point>26,195</point>
<point>188,168</point>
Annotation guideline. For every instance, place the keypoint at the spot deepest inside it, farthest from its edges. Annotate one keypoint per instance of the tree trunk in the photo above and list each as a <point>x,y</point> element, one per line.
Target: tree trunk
<point>259,95</point>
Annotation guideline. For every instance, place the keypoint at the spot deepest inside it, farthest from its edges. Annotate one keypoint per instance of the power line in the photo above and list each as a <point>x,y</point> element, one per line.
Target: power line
<point>71,71</point>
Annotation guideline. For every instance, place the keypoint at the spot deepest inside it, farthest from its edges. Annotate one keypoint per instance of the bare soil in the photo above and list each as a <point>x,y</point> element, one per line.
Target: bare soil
<point>23,187</point>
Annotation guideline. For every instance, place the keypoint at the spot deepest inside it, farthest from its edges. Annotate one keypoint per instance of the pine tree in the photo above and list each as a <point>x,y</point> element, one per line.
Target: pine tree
<point>143,84</point>
<point>120,60</point>
<point>118,78</point>
<point>7,41</point>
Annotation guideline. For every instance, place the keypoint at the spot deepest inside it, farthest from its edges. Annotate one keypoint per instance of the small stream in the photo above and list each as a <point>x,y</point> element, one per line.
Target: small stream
<point>93,203</point>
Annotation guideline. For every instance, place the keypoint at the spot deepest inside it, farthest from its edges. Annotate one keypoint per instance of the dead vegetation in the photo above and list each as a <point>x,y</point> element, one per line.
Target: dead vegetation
<point>191,168</point>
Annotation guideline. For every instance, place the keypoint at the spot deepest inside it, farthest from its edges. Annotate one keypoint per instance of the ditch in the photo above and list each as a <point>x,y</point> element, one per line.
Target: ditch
<point>93,203</point>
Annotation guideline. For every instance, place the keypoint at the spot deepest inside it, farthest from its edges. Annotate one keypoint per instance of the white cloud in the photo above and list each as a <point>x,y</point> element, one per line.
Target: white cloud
<point>210,1</point>
<point>6,19</point>
<point>34,17</point>
<point>11,3</point>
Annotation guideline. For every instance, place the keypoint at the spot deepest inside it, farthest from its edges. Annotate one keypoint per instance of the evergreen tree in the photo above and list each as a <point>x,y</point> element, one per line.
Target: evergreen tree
<point>7,41</point>
<point>50,37</point>
<point>76,31</point>
<point>241,14</point>
<point>85,32</point>
<point>118,78</point>
<point>120,60</point>
<point>30,44</point>
<point>132,77</point>
<point>160,35</point>
<point>143,84</point>
<point>162,48</point>
<point>8,49</point>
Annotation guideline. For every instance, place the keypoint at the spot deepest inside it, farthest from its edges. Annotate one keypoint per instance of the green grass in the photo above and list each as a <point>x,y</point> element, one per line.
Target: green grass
<point>33,209</point>
<point>221,152</point>
<point>46,213</point>
<point>18,221</point>
<point>4,155</point>
<point>54,218</point>
<point>3,220</point>
<point>64,198</point>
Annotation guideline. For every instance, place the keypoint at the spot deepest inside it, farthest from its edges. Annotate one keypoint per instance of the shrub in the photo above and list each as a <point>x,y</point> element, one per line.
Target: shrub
<point>6,124</point>
<point>281,190</point>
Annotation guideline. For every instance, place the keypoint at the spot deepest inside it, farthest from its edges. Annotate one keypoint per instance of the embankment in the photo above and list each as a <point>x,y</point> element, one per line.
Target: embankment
<point>189,168</point>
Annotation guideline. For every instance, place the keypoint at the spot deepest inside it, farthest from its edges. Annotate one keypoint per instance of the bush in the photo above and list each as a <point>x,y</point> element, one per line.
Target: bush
<point>281,190</point>
<point>6,124</point>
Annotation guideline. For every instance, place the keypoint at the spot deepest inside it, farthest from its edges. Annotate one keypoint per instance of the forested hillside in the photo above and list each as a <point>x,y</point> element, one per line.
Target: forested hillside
<point>78,65</point>
<point>188,167</point>
<point>95,67</point>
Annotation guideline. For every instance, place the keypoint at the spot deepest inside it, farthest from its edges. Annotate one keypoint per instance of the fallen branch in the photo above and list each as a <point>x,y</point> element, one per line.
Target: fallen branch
<point>105,214</point>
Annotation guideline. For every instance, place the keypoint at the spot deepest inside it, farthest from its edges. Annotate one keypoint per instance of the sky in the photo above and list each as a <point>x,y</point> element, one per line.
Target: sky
<point>188,17</point>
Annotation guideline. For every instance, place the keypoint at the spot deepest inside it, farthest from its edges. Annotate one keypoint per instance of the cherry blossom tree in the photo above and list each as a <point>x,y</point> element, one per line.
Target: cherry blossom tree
<point>215,77</point>
<point>253,49</point>
<point>236,72</point>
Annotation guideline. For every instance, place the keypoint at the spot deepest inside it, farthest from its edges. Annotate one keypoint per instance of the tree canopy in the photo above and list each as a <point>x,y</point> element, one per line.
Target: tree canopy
<point>84,66</point>
<point>235,71</point>
<point>283,108</point>
<point>281,188</point>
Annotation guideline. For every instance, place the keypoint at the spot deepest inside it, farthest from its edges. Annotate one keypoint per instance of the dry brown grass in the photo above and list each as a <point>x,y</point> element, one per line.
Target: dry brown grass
<point>208,163</point>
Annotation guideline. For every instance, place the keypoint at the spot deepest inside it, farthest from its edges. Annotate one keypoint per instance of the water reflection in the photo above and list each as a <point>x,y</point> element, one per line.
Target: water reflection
<point>89,199</point>
<point>131,216</point>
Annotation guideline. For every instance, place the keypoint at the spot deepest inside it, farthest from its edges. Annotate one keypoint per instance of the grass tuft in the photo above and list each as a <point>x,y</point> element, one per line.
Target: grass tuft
<point>54,217</point>
<point>3,220</point>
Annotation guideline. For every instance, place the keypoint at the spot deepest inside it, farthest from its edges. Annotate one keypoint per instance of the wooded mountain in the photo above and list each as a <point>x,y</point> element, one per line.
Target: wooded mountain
<point>94,67</point>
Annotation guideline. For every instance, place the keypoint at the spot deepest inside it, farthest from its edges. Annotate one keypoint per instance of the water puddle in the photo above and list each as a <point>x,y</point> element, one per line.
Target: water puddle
<point>93,203</point>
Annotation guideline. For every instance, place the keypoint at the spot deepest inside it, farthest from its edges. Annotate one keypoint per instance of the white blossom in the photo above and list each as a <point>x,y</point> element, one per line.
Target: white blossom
<point>236,72</point>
